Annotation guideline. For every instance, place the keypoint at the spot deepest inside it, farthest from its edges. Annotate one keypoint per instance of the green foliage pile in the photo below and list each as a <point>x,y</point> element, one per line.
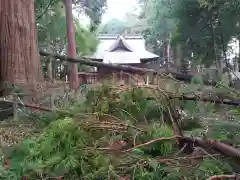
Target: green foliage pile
<point>65,149</point>
<point>78,147</point>
<point>61,150</point>
<point>130,104</point>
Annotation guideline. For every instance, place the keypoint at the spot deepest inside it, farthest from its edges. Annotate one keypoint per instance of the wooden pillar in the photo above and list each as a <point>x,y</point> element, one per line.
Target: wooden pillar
<point>147,83</point>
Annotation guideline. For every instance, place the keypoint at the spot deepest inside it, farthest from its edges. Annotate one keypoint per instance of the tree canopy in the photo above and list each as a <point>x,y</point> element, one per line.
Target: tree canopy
<point>52,25</point>
<point>113,26</point>
<point>52,31</point>
<point>201,29</point>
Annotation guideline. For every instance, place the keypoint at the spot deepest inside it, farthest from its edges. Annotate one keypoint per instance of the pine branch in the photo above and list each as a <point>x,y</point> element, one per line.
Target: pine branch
<point>46,9</point>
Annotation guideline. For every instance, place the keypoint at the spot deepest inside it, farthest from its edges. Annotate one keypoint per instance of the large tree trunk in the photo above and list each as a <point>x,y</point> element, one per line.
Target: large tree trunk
<point>20,62</point>
<point>74,81</point>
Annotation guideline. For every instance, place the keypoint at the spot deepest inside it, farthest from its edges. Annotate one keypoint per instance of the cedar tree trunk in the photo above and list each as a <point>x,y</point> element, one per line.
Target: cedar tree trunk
<point>20,63</point>
<point>73,74</point>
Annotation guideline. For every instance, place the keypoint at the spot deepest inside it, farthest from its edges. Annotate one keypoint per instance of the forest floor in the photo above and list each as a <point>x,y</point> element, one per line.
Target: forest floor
<point>115,132</point>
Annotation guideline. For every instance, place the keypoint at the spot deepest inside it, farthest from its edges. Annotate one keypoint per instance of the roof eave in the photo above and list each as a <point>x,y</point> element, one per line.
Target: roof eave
<point>146,60</point>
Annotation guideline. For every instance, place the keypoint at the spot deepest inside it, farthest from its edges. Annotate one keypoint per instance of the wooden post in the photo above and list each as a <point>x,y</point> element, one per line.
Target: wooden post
<point>52,102</point>
<point>113,78</point>
<point>66,94</point>
<point>147,83</point>
<point>130,80</point>
<point>121,75</point>
<point>121,78</point>
<point>15,107</point>
<point>66,78</point>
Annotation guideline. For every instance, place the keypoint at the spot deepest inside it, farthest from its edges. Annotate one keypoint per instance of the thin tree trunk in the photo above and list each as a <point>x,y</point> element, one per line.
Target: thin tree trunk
<point>216,53</point>
<point>225,58</point>
<point>49,69</point>
<point>214,39</point>
<point>165,53</point>
<point>54,64</point>
<point>238,64</point>
<point>179,56</point>
<point>169,47</point>
<point>73,75</point>
<point>63,71</point>
<point>20,62</point>
<point>174,54</point>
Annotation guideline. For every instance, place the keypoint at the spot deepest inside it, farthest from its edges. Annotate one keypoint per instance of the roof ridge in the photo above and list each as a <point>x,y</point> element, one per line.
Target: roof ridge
<point>117,43</point>
<point>115,36</point>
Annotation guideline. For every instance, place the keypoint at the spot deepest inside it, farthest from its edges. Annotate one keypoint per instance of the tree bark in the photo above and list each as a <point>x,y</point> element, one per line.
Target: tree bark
<point>238,64</point>
<point>174,54</point>
<point>49,69</point>
<point>73,74</point>
<point>216,53</point>
<point>179,56</point>
<point>165,53</point>
<point>129,69</point>
<point>169,48</point>
<point>20,62</point>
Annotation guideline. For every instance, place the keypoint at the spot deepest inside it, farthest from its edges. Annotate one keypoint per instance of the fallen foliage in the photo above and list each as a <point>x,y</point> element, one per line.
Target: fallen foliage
<point>118,134</point>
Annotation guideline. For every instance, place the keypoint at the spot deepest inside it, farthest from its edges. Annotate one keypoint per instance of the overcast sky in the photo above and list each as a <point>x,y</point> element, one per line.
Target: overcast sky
<point>118,8</point>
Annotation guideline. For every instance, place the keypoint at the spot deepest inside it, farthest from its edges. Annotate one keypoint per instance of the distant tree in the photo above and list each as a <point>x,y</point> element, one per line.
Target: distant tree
<point>134,24</point>
<point>52,38</point>
<point>71,52</point>
<point>197,30</point>
<point>206,27</point>
<point>113,26</point>
<point>160,25</point>
<point>94,9</point>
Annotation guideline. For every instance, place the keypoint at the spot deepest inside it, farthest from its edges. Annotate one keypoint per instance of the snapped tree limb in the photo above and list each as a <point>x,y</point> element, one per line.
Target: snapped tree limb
<point>215,145</point>
<point>224,177</point>
<point>202,99</point>
<point>129,69</point>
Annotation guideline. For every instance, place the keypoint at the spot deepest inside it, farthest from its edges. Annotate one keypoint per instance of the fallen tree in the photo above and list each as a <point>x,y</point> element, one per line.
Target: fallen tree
<point>216,100</point>
<point>128,69</point>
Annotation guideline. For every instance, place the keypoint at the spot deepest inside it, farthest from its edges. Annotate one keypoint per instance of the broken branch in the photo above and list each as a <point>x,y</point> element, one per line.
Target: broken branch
<point>206,144</point>
<point>202,99</point>
<point>215,145</point>
<point>117,67</point>
<point>150,142</point>
<point>224,177</point>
